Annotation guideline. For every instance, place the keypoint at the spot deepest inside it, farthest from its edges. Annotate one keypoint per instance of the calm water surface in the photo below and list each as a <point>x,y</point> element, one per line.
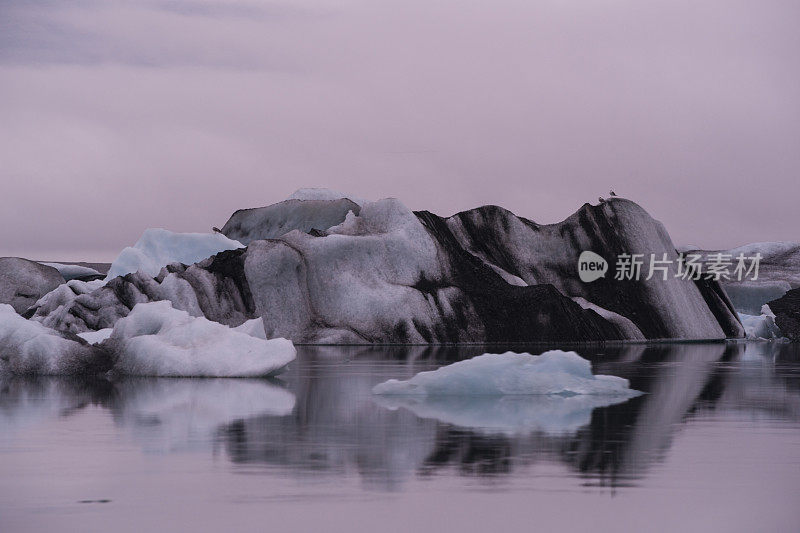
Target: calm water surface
<point>714,445</point>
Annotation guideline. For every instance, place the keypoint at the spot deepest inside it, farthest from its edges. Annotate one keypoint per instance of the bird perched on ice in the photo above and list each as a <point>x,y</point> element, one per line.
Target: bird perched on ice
<point>601,199</point>
<point>612,193</point>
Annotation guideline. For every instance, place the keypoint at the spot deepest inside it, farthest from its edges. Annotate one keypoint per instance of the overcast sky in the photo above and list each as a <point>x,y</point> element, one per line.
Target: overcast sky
<point>116,116</point>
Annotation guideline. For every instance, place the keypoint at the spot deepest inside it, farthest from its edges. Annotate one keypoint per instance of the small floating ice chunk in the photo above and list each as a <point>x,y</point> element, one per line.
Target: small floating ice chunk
<point>157,340</point>
<point>552,373</point>
<point>761,327</point>
<point>158,247</point>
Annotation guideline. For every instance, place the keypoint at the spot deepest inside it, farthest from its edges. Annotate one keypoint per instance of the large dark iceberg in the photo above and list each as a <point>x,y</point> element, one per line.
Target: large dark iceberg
<point>334,271</point>
<point>23,282</point>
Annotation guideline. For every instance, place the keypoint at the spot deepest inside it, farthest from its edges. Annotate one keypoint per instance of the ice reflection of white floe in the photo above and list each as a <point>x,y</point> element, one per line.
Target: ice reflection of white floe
<point>26,402</point>
<point>757,385</point>
<point>331,429</point>
<point>173,414</point>
<point>510,415</point>
<point>162,415</point>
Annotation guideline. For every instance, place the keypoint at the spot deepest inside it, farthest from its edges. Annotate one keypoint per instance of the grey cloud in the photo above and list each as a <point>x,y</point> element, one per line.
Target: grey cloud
<point>125,116</point>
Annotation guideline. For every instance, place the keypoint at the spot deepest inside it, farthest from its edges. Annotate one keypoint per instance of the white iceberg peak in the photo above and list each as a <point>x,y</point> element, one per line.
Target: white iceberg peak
<point>314,193</point>
<point>158,247</point>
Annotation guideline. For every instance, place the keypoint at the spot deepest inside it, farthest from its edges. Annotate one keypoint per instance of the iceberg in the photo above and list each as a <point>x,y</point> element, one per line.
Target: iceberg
<point>70,272</point>
<point>554,373</point>
<point>22,282</point>
<point>157,340</point>
<point>387,274</point>
<point>254,328</point>
<point>158,247</point>
<point>321,193</point>
<point>272,221</point>
<point>747,297</point>
<point>28,347</point>
<point>778,272</point>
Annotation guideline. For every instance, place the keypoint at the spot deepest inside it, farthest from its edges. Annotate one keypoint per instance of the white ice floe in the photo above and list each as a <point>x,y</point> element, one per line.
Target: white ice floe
<point>157,340</point>
<point>552,373</point>
<point>28,347</point>
<point>158,247</point>
<point>761,327</point>
<point>70,272</point>
<point>510,393</point>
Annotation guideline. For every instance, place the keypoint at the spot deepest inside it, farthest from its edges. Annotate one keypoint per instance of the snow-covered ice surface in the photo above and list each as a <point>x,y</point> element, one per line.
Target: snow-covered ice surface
<point>554,372</point>
<point>157,340</point>
<point>53,308</point>
<point>761,327</point>
<point>247,225</point>
<point>70,272</point>
<point>313,193</point>
<point>158,247</point>
<point>254,328</point>
<point>28,347</point>
<point>349,286</point>
<point>153,340</point>
<point>96,337</point>
<point>390,274</point>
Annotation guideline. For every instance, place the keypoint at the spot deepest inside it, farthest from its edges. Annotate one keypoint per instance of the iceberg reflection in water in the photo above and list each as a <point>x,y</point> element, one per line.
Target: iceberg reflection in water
<point>318,432</point>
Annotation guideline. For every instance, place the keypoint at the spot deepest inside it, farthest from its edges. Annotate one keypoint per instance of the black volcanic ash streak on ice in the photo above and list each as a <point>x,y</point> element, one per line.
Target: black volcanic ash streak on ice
<point>380,273</point>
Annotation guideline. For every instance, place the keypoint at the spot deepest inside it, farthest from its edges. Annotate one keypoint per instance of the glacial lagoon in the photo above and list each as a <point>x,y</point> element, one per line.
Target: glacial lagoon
<point>714,443</point>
